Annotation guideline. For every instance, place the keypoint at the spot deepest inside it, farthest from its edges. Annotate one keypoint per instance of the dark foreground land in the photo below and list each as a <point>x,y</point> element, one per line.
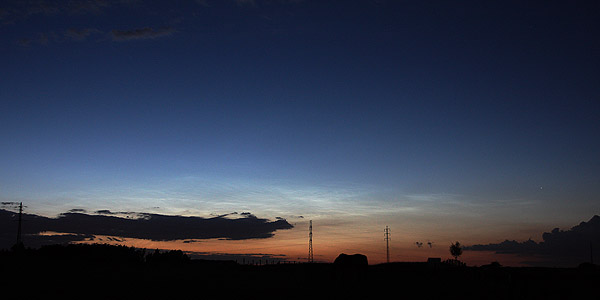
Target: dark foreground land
<point>115,272</point>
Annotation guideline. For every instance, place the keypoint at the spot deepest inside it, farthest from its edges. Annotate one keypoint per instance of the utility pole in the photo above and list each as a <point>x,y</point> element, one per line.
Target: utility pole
<point>310,248</point>
<point>387,242</point>
<point>19,228</point>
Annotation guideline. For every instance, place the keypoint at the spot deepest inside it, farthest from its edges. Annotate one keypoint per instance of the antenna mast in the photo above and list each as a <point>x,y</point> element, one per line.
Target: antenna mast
<point>310,248</point>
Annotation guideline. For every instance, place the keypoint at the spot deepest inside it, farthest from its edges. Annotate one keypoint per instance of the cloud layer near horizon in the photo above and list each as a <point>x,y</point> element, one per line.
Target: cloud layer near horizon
<point>558,248</point>
<point>145,226</point>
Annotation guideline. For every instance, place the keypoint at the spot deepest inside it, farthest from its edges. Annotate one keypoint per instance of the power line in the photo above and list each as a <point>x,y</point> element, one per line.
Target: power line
<point>20,206</point>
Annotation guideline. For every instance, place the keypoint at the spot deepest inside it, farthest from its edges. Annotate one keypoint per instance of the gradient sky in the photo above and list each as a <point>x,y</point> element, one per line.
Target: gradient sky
<point>471,121</point>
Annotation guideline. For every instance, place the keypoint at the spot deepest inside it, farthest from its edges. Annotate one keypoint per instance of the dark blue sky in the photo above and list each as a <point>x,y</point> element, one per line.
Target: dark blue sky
<point>468,103</point>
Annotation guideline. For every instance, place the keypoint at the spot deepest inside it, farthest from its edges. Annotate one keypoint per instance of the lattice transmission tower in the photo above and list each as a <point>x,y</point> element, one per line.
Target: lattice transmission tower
<point>310,247</point>
<point>387,243</point>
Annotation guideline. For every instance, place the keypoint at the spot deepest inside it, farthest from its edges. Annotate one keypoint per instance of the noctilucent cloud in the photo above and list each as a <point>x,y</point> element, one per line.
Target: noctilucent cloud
<point>470,121</point>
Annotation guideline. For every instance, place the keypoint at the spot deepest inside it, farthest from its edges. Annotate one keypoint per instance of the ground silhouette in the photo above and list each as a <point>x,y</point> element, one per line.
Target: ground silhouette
<point>103,271</point>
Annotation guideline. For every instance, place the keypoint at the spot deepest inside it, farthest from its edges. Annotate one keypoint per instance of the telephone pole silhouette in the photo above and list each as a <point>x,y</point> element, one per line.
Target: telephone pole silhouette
<point>19,228</point>
<point>310,248</point>
<point>387,243</point>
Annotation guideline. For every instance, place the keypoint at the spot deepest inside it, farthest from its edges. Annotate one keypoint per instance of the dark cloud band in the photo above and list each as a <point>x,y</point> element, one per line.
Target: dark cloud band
<point>145,226</point>
<point>558,248</point>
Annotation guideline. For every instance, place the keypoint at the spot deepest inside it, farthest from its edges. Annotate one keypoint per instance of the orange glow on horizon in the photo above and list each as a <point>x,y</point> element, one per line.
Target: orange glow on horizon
<point>292,245</point>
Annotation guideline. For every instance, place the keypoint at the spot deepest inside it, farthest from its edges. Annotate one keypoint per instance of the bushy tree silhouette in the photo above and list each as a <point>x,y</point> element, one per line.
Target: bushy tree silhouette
<point>456,250</point>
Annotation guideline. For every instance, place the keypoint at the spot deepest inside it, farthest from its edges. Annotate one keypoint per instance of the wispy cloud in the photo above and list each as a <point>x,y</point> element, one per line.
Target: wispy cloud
<point>83,34</point>
<point>41,38</point>
<point>41,7</point>
<point>141,33</point>
<point>14,11</point>
<point>34,7</point>
<point>45,38</point>
<point>199,195</point>
<point>203,3</point>
<point>80,34</point>
<point>207,3</point>
<point>88,6</point>
<point>245,2</point>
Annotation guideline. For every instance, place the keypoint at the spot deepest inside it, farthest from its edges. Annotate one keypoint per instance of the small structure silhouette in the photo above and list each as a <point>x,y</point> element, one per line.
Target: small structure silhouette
<point>492,265</point>
<point>434,260</point>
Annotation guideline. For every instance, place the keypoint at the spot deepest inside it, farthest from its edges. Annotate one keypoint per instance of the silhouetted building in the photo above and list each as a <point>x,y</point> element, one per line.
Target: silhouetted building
<point>434,260</point>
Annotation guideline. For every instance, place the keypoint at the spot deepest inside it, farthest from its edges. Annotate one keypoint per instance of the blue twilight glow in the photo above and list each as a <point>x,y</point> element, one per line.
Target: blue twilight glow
<point>485,111</point>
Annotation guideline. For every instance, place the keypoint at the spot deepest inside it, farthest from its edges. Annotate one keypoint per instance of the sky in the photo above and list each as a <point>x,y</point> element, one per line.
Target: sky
<point>446,121</point>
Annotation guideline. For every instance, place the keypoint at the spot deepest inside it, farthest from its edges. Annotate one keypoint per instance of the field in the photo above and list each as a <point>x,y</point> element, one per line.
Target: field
<point>116,272</point>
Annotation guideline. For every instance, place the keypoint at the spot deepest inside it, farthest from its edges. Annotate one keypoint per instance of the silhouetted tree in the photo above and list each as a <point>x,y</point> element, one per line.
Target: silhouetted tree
<point>171,257</point>
<point>456,250</point>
